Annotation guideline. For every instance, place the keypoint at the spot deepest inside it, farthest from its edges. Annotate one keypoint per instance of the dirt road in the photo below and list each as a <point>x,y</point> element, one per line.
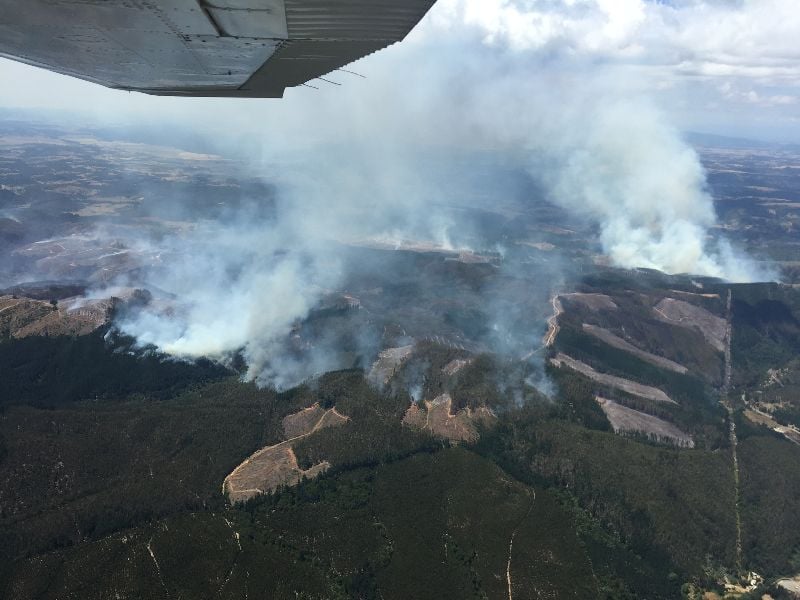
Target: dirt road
<point>511,544</point>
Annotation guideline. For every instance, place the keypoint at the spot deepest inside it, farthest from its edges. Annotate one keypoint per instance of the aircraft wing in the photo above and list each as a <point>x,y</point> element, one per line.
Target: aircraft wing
<point>235,48</point>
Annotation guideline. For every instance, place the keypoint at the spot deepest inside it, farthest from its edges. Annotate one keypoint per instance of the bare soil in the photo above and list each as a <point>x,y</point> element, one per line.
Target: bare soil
<point>683,314</point>
<point>630,387</point>
<point>617,342</point>
<point>454,366</point>
<point>438,418</point>
<point>791,585</point>
<point>761,418</point>
<point>387,364</point>
<point>25,317</point>
<point>694,294</point>
<point>624,419</point>
<point>274,466</point>
<point>552,323</point>
<point>303,422</point>
<point>266,471</point>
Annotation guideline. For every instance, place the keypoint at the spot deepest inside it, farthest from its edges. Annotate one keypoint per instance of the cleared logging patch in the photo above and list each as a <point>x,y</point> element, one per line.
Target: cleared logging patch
<point>437,417</point>
<point>628,420</point>
<point>276,466</point>
<point>630,387</point>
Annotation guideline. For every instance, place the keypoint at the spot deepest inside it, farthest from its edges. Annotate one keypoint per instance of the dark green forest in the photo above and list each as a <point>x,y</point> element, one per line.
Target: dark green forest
<point>112,460</point>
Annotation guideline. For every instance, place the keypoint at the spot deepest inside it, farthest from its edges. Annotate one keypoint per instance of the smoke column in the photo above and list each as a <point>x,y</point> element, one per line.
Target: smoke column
<point>477,78</point>
<point>627,170</point>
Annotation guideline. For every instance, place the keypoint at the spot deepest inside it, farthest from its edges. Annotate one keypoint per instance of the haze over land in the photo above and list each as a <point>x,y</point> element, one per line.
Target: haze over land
<point>279,348</point>
<point>526,96</point>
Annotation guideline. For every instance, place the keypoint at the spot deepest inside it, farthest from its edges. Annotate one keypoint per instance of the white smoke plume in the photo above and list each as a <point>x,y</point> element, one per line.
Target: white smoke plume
<point>600,146</point>
<point>628,170</point>
<point>360,161</point>
<point>238,285</point>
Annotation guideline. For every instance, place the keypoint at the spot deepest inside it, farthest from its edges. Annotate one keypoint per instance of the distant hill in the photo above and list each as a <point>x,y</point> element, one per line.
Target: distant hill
<point>720,141</point>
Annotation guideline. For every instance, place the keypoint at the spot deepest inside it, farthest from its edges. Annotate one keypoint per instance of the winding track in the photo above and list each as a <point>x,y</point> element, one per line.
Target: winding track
<point>552,322</point>
<point>511,544</point>
<point>552,327</point>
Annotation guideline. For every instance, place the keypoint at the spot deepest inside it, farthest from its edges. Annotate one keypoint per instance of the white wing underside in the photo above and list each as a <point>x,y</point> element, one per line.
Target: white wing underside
<point>236,48</point>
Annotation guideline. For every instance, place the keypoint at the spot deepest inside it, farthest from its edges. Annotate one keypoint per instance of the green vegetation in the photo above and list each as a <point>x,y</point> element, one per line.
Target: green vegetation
<point>418,528</point>
<point>477,383</point>
<point>374,433</point>
<point>770,489</point>
<point>577,400</point>
<point>636,318</point>
<point>766,320</point>
<point>50,371</point>
<point>697,413</point>
<point>670,508</point>
<point>686,389</point>
<point>91,468</point>
<point>107,456</point>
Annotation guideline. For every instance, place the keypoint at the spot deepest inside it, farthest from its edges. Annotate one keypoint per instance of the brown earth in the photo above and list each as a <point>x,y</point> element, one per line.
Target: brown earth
<point>274,466</point>
<point>303,422</point>
<point>694,294</point>
<point>455,365</point>
<point>617,342</point>
<point>25,317</point>
<point>267,470</point>
<point>18,313</point>
<point>630,387</point>
<point>624,419</point>
<point>552,323</point>
<point>415,416</point>
<point>331,418</point>
<point>760,418</point>
<point>683,314</point>
<point>387,364</point>
<point>438,418</point>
